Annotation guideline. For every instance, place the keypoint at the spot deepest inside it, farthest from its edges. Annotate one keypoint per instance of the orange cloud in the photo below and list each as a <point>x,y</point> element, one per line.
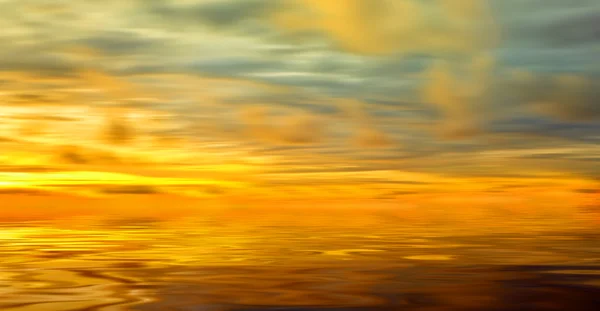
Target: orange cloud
<point>292,128</point>
<point>460,100</point>
<point>366,132</point>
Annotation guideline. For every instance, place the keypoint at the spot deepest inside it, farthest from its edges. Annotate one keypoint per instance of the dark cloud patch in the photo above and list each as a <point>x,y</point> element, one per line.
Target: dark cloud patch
<point>345,181</point>
<point>237,66</point>
<point>130,189</point>
<point>504,188</point>
<point>213,189</point>
<point>72,155</point>
<point>588,191</point>
<point>30,97</point>
<point>27,169</point>
<point>400,182</point>
<point>395,194</point>
<point>548,61</point>
<point>574,27</point>
<point>332,170</point>
<point>394,66</point>
<point>40,62</point>
<point>289,99</point>
<point>40,117</point>
<point>40,98</point>
<point>403,192</point>
<point>4,139</point>
<point>564,97</point>
<point>227,13</point>
<point>573,30</point>
<point>118,131</point>
<point>120,43</point>
<point>544,127</point>
<point>331,85</point>
<point>588,159</point>
<point>218,14</point>
<point>23,191</point>
<point>547,156</point>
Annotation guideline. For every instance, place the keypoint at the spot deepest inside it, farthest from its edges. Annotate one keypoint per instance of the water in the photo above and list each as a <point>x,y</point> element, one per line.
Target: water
<point>212,265</point>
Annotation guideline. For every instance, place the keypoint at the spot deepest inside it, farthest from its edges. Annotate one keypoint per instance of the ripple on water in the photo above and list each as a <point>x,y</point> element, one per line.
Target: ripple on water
<point>431,257</point>
<point>350,252</point>
<point>576,272</point>
<point>196,267</point>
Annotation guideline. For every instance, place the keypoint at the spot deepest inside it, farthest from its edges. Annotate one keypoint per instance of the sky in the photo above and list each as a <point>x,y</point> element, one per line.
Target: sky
<point>402,103</point>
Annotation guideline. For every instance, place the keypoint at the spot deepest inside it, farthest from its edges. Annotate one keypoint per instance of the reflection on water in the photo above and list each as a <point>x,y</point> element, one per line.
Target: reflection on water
<point>202,265</point>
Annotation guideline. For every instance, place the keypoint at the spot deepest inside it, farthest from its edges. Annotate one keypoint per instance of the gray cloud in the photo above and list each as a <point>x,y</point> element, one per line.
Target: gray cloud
<point>583,28</point>
<point>526,22</point>
<point>219,14</point>
<point>571,98</point>
<point>564,97</point>
<point>26,60</point>
<point>115,42</point>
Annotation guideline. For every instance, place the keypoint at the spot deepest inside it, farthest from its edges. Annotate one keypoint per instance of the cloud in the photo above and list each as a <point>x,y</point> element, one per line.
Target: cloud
<point>130,189</point>
<point>579,29</point>
<point>4,139</point>
<point>385,26</point>
<point>24,191</point>
<point>562,97</point>
<point>566,97</point>
<point>27,168</point>
<point>160,58</point>
<point>460,98</point>
<point>372,138</point>
<point>588,191</point>
<point>77,155</point>
<point>227,13</point>
<point>116,42</point>
<point>395,194</point>
<point>72,155</point>
<point>302,128</point>
<point>366,133</point>
<point>26,99</point>
<point>224,13</point>
<point>529,24</point>
<point>41,117</point>
<point>117,130</point>
<point>110,85</point>
<point>293,127</point>
<point>22,59</point>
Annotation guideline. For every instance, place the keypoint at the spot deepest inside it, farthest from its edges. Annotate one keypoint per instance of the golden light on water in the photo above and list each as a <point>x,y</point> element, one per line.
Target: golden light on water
<point>260,262</point>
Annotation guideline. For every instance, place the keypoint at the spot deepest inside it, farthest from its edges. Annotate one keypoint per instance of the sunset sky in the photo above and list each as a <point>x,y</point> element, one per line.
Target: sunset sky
<point>348,102</point>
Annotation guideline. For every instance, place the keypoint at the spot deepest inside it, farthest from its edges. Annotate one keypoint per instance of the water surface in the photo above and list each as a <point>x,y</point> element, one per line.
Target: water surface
<point>206,265</point>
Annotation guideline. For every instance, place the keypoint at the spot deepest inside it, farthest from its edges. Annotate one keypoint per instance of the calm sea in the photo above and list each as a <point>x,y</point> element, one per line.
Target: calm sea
<point>200,264</point>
